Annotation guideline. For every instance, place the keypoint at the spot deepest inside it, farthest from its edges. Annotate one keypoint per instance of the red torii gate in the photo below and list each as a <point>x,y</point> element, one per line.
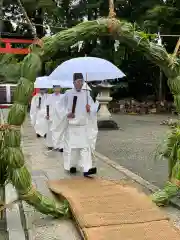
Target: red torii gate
<point>9,49</point>
<point>13,50</point>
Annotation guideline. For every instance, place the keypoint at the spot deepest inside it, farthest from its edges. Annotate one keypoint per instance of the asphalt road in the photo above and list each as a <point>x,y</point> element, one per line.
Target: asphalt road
<point>135,146</point>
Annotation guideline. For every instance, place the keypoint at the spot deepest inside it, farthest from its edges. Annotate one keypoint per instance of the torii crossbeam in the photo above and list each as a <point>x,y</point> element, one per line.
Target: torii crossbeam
<point>9,49</point>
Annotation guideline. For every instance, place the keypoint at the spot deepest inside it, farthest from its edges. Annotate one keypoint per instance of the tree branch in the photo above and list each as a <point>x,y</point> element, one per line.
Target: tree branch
<point>32,27</point>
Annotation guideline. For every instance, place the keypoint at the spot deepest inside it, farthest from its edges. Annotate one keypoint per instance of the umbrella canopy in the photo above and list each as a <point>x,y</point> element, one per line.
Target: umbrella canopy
<point>92,68</point>
<point>43,82</point>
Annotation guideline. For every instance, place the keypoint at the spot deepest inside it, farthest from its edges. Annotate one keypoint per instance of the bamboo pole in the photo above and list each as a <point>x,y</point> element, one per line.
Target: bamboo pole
<point>112,13</point>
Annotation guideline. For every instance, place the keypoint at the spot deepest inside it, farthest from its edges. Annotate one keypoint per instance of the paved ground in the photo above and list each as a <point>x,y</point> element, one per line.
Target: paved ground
<point>45,165</point>
<point>134,146</point>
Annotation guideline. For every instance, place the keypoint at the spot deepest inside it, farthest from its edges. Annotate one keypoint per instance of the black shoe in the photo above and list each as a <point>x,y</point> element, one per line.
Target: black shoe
<point>45,135</point>
<point>90,172</point>
<point>38,136</point>
<point>72,170</point>
<point>50,148</point>
<point>59,150</point>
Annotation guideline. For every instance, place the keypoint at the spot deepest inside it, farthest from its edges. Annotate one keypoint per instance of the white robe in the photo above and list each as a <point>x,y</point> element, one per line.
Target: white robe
<point>38,114</point>
<point>52,134</point>
<point>92,125</point>
<point>49,142</point>
<point>92,128</point>
<point>76,140</point>
<point>92,120</point>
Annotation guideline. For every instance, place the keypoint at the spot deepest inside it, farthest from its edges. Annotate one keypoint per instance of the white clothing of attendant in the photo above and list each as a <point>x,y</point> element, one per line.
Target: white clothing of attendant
<point>92,124</point>
<point>93,128</point>
<point>92,119</point>
<point>76,141</point>
<point>49,142</point>
<point>52,100</point>
<point>38,114</point>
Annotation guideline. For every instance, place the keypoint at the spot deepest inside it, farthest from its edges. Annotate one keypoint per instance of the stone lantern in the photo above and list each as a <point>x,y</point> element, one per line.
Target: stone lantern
<point>105,120</point>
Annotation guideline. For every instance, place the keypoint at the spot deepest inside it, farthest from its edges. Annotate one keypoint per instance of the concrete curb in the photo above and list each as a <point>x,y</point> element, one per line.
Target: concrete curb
<point>13,216</point>
<point>152,188</point>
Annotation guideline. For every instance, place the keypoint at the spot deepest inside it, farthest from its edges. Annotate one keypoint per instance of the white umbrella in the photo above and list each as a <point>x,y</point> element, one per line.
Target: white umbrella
<point>43,82</point>
<point>92,68</point>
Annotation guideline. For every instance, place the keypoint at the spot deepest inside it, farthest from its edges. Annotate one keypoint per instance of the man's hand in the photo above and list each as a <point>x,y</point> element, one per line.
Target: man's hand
<point>88,108</point>
<point>71,115</point>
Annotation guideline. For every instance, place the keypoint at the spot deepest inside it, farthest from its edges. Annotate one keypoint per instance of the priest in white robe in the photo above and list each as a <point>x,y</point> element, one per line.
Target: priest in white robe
<point>93,128</point>
<point>78,105</point>
<point>53,99</point>
<point>92,123</point>
<point>38,113</point>
<point>92,120</point>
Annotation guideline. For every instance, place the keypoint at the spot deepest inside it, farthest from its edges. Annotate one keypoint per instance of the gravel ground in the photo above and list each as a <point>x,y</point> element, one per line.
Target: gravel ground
<point>135,145</point>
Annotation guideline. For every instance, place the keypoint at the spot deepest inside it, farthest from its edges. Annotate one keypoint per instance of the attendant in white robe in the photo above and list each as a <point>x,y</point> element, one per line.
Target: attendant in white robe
<point>53,99</point>
<point>49,142</point>
<point>74,117</point>
<point>38,113</point>
<point>92,123</point>
<point>93,128</point>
